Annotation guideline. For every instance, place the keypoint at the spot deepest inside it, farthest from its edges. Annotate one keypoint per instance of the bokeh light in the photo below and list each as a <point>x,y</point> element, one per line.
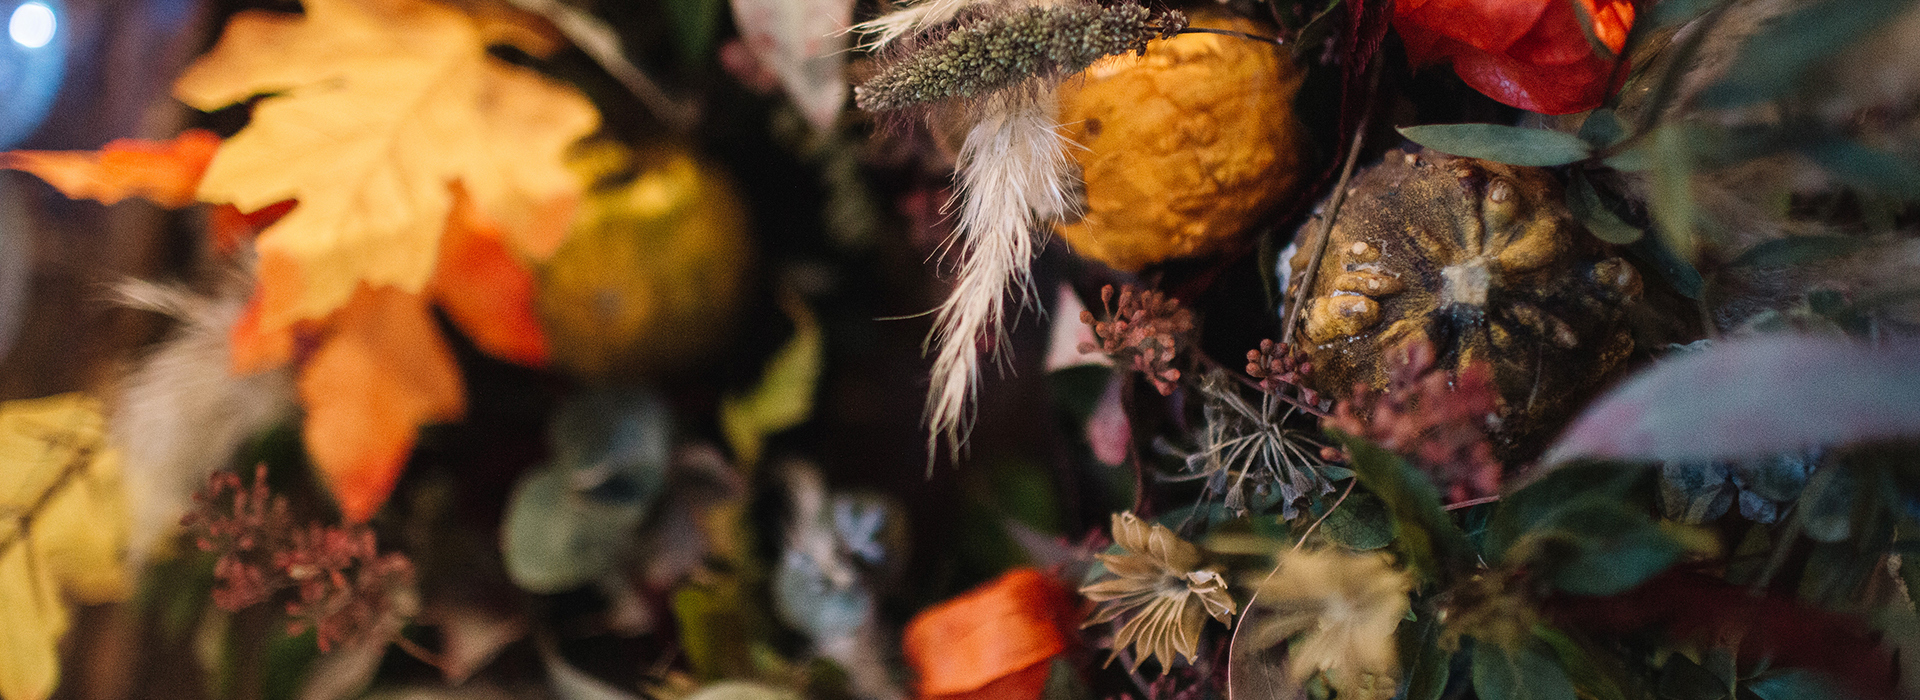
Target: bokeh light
<point>32,25</point>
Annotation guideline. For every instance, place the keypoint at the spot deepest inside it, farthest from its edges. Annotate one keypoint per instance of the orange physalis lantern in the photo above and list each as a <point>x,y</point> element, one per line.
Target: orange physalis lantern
<point>995,641</point>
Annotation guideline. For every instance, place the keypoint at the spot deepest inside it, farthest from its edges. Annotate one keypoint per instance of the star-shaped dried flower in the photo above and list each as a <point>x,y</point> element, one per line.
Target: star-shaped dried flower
<point>1344,607</point>
<point>1162,585</point>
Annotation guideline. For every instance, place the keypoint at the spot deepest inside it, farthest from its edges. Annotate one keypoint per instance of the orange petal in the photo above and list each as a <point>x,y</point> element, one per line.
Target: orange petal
<point>228,227</point>
<point>382,372</point>
<point>166,172</point>
<point>1005,626</point>
<point>486,290</point>
<point>1025,684</point>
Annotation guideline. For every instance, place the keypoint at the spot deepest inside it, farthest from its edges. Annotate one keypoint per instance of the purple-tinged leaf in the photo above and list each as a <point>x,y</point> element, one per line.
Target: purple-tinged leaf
<point>1754,397</point>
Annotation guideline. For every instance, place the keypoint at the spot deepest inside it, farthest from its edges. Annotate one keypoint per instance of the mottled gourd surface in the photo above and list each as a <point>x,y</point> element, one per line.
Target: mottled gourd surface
<point>1182,149</point>
<point>1483,260</point>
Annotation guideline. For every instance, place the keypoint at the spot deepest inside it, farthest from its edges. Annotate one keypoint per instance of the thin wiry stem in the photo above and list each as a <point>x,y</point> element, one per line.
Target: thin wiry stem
<point>1232,33</point>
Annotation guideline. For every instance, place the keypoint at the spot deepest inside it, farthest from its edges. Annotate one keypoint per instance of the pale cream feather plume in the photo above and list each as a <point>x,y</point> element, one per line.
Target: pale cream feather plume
<point>1014,177</point>
<point>181,413</point>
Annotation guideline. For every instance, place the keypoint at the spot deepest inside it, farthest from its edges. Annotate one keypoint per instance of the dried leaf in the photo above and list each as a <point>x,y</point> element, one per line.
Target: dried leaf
<point>382,372</point>
<point>63,536</point>
<point>805,43</point>
<point>373,108</point>
<point>784,396</point>
<point>1749,398</point>
<point>1345,607</point>
<point>166,172</point>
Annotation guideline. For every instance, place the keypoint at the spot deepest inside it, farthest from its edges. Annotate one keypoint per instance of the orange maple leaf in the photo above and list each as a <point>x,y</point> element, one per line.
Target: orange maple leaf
<point>166,172</point>
<point>380,373</point>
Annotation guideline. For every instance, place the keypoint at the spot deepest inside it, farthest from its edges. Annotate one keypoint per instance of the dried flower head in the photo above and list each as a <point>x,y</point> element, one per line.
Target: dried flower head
<point>1436,419</point>
<point>342,582</point>
<point>1160,583</point>
<point>1145,332</point>
<point>1000,51</point>
<point>1249,451</point>
<point>1344,607</point>
<point>1278,369</point>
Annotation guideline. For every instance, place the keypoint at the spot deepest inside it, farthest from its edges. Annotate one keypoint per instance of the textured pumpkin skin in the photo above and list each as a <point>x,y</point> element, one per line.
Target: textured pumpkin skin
<point>1483,260</point>
<point>651,271</point>
<point>1185,147</point>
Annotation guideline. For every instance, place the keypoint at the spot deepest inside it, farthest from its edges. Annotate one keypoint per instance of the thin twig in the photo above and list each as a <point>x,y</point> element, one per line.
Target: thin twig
<point>601,43</point>
<point>423,654</point>
<point>1323,517</point>
<point>1231,33</point>
<point>82,457</point>
<point>1471,502</point>
<point>1295,301</point>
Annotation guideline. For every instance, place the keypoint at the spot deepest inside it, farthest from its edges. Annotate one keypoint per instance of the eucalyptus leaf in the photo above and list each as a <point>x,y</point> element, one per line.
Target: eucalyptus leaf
<point>1679,273</point>
<point>1541,501</point>
<point>1776,59</point>
<point>1603,128</point>
<point>1428,664</point>
<point>1597,546</point>
<point>556,538</point>
<point>1826,511</point>
<point>1750,398</point>
<point>1506,144</point>
<point>1798,250</point>
<point>1529,672</point>
<point>1867,169</point>
<point>1587,208</point>
<point>1674,12</point>
<point>1672,202</point>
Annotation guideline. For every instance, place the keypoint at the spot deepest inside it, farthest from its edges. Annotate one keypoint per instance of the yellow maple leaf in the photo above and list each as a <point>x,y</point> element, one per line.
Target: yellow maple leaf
<point>63,532</point>
<point>373,109</point>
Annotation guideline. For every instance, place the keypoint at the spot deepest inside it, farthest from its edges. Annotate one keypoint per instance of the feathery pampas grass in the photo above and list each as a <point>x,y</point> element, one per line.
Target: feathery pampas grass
<point>1001,62</point>
<point>1014,176</point>
<point>181,413</point>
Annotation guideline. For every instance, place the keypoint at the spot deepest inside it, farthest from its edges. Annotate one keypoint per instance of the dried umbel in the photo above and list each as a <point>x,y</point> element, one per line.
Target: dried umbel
<point>1252,455</point>
<point>1145,332</point>
<point>1000,51</point>
<point>1160,583</point>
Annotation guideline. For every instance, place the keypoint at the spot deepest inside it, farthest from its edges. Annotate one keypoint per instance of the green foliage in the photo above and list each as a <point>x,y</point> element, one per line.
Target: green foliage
<point>1798,250</point>
<point>1426,537</point>
<point>1586,206</point>
<point>1505,144</point>
<point>1774,61</point>
<point>1528,671</point>
<point>1361,523</point>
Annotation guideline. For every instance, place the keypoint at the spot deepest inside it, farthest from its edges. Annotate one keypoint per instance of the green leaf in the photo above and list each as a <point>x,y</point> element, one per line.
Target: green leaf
<point>1582,668</point>
<point>1361,523</point>
<point>1428,665</point>
<point>1682,679</point>
<point>1867,169</point>
<point>784,397</point>
<point>1596,546</point>
<point>1529,672</point>
<point>1586,207</point>
<point>1506,144</point>
<point>556,538</point>
<point>1672,202</point>
<point>1795,684</point>
<point>1827,507</point>
<point>1541,500</point>
<point>1602,127</point>
<point>1798,250</point>
<point>1674,12</point>
<point>1774,61</point>
<point>1677,272</point>
<point>1426,536</point>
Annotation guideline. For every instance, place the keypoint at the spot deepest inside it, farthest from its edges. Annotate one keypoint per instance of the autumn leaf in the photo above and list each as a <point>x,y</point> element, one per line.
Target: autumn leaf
<point>373,109</point>
<point>486,289</point>
<point>166,172</point>
<point>380,373</point>
<point>62,535</point>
